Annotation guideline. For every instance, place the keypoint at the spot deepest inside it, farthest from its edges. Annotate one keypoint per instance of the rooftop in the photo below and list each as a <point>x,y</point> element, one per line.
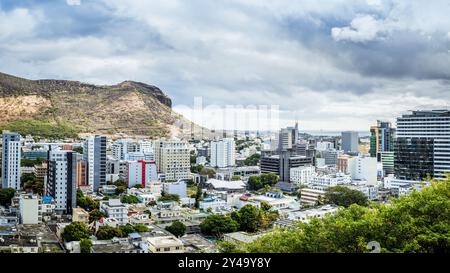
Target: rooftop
<point>164,241</point>
<point>232,185</point>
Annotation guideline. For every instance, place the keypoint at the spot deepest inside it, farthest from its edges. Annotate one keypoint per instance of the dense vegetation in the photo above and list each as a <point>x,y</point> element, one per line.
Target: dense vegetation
<point>218,224</point>
<point>177,228</point>
<point>165,197</point>
<point>258,182</point>
<point>86,202</point>
<point>85,246</point>
<point>252,160</point>
<point>343,196</point>
<point>75,232</point>
<point>29,182</point>
<point>129,199</point>
<point>6,195</point>
<point>41,128</point>
<point>249,218</point>
<point>419,222</point>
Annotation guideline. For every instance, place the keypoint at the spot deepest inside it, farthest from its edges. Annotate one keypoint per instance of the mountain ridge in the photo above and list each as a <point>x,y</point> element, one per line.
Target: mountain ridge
<point>128,107</point>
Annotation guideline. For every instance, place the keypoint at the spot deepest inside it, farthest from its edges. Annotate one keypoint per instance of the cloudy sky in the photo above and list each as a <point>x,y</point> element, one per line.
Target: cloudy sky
<point>333,65</point>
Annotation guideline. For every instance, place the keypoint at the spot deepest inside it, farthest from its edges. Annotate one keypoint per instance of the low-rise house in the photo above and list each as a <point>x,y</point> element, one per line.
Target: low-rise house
<point>275,199</point>
<point>132,244</point>
<point>113,208</point>
<point>228,186</point>
<point>165,244</point>
<point>45,236</point>
<point>16,244</point>
<point>305,215</point>
<point>195,243</point>
<point>310,196</point>
<point>163,216</point>
<point>286,187</point>
<point>213,203</point>
<point>80,215</point>
<point>109,189</point>
<point>179,188</point>
<point>241,237</point>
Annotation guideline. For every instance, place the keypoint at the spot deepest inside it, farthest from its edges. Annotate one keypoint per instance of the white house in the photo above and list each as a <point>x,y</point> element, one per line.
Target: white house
<point>302,175</point>
<point>113,208</point>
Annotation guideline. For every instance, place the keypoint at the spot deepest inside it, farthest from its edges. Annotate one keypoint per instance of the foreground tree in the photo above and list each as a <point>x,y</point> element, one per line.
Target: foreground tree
<point>75,232</point>
<point>343,196</point>
<point>217,225</point>
<point>250,217</point>
<point>169,197</point>
<point>6,195</point>
<point>95,215</point>
<point>419,222</point>
<point>130,199</point>
<point>86,246</point>
<point>177,228</point>
<point>141,228</point>
<point>107,233</point>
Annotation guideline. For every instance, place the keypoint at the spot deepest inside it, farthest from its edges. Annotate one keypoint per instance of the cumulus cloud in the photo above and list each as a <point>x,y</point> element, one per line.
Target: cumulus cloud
<point>362,29</point>
<point>18,23</point>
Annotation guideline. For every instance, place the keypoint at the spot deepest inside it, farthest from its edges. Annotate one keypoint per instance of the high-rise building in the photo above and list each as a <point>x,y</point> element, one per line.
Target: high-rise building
<point>422,145</point>
<point>223,153</point>
<point>350,142</point>
<point>94,154</point>
<point>387,162</point>
<point>62,178</point>
<point>381,139</point>
<point>283,163</point>
<point>173,159</point>
<point>81,173</point>
<point>287,138</point>
<point>122,147</point>
<point>331,156</point>
<point>11,149</point>
<point>363,168</point>
<point>141,172</point>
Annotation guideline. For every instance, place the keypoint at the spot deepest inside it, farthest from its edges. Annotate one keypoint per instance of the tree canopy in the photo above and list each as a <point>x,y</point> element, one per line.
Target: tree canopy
<point>75,232</point>
<point>169,197</point>
<point>419,222</point>
<point>343,196</point>
<point>177,228</point>
<point>86,246</point>
<point>217,225</point>
<point>86,202</point>
<point>6,195</point>
<point>257,182</point>
<point>129,199</point>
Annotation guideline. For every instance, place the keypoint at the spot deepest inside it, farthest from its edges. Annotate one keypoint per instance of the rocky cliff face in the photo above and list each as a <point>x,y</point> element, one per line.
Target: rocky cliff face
<point>129,107</point>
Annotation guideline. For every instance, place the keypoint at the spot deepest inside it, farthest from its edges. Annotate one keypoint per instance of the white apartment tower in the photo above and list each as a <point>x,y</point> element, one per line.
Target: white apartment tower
<point>173,159</point>
<point>94,154</point>
<point>62,178</point>
<point>223,153</point>
<point>11,153</point>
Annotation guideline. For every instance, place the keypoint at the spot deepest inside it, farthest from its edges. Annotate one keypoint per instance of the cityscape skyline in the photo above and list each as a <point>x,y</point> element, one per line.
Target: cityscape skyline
<point>240,128</point>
